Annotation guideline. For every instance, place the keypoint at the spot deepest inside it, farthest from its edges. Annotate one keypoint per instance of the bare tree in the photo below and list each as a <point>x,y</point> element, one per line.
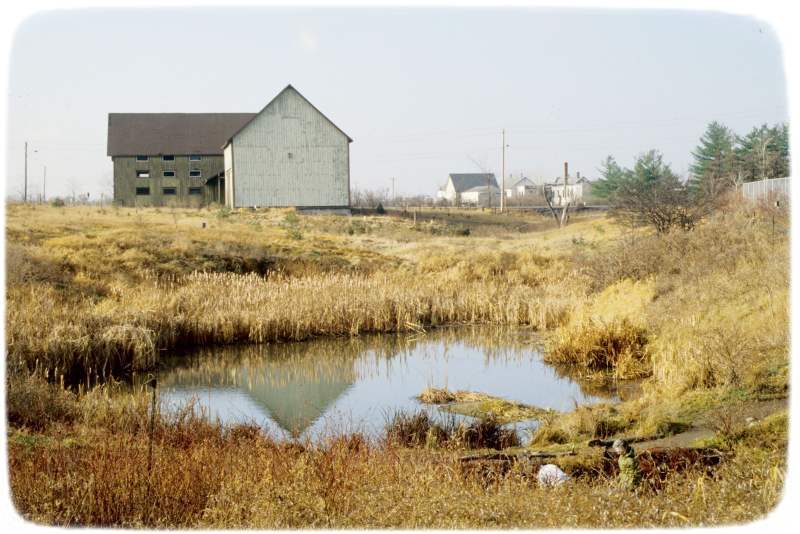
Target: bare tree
<point>651,193</point>
<point>547,190</point>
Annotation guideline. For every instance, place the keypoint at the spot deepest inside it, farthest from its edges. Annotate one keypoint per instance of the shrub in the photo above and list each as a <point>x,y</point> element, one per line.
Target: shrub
<point>57,202</point>
<point>32,402</point>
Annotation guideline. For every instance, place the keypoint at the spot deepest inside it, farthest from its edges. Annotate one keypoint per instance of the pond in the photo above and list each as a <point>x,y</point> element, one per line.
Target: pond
<point>333,386</point>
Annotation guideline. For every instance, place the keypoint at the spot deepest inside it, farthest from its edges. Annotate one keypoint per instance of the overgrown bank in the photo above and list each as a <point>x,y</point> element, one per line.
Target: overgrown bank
<point>87,465</point>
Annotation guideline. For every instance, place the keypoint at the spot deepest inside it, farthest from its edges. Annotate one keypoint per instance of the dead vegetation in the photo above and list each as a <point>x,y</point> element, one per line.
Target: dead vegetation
<point>481,405</point>
<point>703,315</point>
<point>92,471</point>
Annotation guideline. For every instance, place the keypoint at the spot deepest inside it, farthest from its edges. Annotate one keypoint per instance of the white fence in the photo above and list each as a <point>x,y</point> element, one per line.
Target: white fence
<point>766,188</point>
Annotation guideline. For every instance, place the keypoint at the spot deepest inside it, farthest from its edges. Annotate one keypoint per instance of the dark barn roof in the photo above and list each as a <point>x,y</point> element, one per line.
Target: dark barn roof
<point>131,134</point>
<point>465,181</point>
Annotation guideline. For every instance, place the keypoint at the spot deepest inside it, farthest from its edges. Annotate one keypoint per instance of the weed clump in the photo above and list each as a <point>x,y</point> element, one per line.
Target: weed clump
<point>619,347</point>
<point>418,429</point>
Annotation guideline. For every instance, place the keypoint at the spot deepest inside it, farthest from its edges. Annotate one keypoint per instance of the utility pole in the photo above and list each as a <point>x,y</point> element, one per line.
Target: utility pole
<point>44,184</point>
<point>25,190</point>
<point>564,198</point>
<point>394,197</point>
<point>503,179</point>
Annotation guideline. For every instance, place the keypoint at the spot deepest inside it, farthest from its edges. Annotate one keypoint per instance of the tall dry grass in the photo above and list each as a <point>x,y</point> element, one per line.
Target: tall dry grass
<point>123,322</point>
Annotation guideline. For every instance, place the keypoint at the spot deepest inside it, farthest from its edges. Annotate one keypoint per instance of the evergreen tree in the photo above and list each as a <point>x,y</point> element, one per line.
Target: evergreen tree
<point>652,193</point>
<point>780,167</point>
<point>612,175</point>
<point>764,152</point>
<point>715,164</point>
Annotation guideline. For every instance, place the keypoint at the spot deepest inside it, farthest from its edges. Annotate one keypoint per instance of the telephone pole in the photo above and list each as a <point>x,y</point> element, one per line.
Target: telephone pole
<point>25,190</point>
<point>44,185</point>
<point>503,179</point>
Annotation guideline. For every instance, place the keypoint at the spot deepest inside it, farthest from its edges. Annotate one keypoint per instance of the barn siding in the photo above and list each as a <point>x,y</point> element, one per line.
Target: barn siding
<point>126,182</point>
<point>290,155</point>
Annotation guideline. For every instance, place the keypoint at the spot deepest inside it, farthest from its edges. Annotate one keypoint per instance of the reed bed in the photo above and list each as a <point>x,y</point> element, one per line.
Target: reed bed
<point>123,333</point>
<point>618,348</point>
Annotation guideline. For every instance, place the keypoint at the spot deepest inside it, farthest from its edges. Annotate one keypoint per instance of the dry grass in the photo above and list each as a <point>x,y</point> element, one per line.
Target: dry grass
<point>481,405</point>
<point>618,348</point>
<point>209,476</point>
<point>418,429</point>
<point>433,395</point>
<point>94,293</point>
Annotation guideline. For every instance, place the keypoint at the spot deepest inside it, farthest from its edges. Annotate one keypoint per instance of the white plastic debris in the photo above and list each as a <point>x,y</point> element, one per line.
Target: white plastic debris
<point>550,476</point>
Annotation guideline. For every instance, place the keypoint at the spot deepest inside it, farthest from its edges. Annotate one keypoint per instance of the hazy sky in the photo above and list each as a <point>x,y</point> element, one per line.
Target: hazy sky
<point>422,92</point>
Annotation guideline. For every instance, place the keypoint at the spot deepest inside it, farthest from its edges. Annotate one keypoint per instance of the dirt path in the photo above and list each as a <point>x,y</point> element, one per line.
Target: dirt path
<point>756,409</point>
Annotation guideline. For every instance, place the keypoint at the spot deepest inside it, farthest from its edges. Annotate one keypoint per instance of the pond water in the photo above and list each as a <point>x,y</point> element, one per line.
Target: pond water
<point>331,386</point>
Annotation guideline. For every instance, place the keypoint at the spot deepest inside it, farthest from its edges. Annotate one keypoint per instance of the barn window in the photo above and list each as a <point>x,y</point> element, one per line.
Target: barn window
<point>194,173</point>
<point>195,190</point>
<point>169,190</point>
<point>143,174</point>
<point>168,158</point>
<point>169,174</point>
<point>142,190</point>
<point>194,157</point>
<point>142,158</point>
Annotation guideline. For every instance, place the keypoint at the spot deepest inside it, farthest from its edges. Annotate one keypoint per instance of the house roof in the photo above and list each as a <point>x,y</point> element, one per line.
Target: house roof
<point>288,87</point>
<point>465,181</point>
<point>130,134</point>
<point>523,181</point>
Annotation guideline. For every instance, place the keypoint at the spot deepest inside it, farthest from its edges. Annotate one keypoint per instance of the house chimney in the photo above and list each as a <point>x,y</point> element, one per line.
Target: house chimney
<point>578,174</point>
<point>566,171</point>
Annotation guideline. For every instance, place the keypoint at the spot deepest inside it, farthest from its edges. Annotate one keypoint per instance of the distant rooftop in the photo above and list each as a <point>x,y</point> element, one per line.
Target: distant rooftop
<point>465,181</point>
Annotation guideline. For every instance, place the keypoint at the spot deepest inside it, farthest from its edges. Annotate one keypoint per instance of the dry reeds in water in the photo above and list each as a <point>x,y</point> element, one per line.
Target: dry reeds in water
<point>619,348</point>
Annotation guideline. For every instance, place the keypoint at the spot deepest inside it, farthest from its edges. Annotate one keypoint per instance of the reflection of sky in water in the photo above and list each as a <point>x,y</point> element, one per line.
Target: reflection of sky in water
<point>359,392</point>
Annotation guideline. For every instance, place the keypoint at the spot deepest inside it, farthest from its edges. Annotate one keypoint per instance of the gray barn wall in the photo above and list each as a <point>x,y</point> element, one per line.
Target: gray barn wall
<point>317,174</point>
<point>126,182</point>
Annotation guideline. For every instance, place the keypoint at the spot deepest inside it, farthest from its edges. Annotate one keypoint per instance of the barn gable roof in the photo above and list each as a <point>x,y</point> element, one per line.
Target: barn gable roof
<point>464,181</point>
<point>288,87</point>
<point>131,134</point>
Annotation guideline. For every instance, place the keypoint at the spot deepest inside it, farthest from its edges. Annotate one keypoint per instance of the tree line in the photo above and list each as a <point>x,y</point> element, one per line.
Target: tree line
<point>651,193</point>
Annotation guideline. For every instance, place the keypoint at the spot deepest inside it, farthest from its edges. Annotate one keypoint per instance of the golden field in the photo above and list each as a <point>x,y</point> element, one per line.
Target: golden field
<point>700,317</point>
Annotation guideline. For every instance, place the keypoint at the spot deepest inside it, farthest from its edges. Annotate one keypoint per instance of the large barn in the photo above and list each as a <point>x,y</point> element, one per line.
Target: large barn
<point>287,155</point>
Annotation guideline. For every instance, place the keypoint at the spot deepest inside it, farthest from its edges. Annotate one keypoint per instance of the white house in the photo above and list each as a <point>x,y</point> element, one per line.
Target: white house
<point>576,194</point>
<point>521,188</point>
<point>288,154</point>
<point>481,196</point>
<point>459,183</point>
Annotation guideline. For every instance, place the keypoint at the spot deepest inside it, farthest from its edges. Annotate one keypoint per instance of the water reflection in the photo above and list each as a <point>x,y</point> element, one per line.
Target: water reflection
<point>352,384</point>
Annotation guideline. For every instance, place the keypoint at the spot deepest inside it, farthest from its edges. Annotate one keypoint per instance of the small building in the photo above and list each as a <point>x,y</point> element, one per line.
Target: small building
<point>287,155</point>
<point>577,194</point>
<point>522,187</point>
<point>459,183</point>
